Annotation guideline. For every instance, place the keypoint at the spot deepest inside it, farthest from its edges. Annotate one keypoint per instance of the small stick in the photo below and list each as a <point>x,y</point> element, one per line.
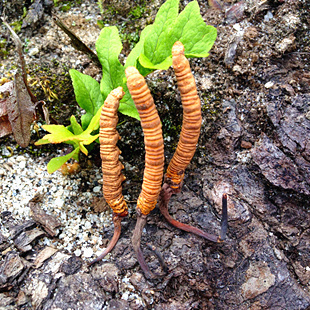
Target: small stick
<point>159,256</point>
<point>19,48</point>
<point>224,221</point>
<point>77,42</point>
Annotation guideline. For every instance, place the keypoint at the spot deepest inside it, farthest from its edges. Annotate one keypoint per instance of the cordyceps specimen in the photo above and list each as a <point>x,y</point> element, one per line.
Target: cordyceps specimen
<point>154,157</point>
<point>154,151</point>
<point>187,144</point>
<point>111,166</point>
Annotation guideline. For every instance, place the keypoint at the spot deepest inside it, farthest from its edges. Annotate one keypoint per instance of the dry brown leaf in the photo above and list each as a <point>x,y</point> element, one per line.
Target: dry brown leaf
<point>5,92</point>
<point>21,111</point>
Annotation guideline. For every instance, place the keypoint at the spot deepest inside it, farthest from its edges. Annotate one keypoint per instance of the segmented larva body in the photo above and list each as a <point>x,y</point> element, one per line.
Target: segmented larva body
<point>191,117</point>
<point>109,153</point>
<point>153,140</point>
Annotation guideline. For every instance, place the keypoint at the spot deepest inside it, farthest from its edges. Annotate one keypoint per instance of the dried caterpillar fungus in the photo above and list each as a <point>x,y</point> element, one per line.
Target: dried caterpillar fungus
<point>191,117</point>
<point>109,153</point>
<point>153,139</point>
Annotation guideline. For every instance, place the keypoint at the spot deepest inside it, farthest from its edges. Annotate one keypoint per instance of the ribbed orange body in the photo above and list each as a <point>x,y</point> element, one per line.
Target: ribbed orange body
<point>109,153</point>
<point>191,117</point>
<point>153,139</point>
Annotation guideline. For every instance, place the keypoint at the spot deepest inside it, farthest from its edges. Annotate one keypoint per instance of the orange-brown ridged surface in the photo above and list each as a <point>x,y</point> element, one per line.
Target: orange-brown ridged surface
<point>191,117</point>
<point>153,140</point>
<point>109,153</point>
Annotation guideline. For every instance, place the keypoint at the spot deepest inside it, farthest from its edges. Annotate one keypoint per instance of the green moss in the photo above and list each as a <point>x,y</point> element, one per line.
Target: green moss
<point>24,12</point>
<point>100,5</point>
<point>210,105</point>
<point>111,11</point>
<point>66,7</point>
<point>100,23</point>
<point>64,105</point>
<point>131,37</point>
<point>128,31</point>
<point>17,25</point>
<point>137,12</point>
<point>3,51</point>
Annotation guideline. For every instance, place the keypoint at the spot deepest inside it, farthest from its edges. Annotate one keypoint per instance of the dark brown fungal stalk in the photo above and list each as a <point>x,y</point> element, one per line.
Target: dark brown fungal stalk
<point>224,221</point>
<point>117,232</point>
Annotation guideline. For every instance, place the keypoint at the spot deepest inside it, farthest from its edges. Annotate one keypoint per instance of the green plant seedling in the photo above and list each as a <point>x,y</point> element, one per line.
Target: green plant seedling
<point>77,138</point>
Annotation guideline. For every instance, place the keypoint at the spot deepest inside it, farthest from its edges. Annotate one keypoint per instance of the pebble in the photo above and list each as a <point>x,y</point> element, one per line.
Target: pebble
<point>88,252</point>
<point>33,51</point>
<point>59,203</point>
<point>78,252</point>
<point>20,158</point>
<point>87,225</point>
<point>97,189</point>
<point>269,84</point>
<point>268,16</point>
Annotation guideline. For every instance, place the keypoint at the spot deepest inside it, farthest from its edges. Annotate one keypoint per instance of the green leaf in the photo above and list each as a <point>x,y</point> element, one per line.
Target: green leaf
<point>87,94</point>
<point>83,149</point>
<point>146,63</point>
<point>74,143</point>
<point>87,139</point>
<point>127,106</point>
<point>58,133</point>
<point>189,28</point>
<point>42,141</point>
<point>55,163</point>
<point>76,127</point>
<point>94,123</point>
<point>108,48</point>
<point>85,119</point>
<point>132,59</point>
<point>165,18</point>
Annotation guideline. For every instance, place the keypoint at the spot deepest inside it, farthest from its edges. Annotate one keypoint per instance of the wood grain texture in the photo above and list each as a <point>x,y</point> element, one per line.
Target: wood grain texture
<point>109,153</point>
<point>191,117</point>
<point>153,140</point>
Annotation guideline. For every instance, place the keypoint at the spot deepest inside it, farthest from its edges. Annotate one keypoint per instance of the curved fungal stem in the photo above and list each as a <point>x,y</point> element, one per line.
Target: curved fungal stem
<point>165,195</point>
<point>187,145</point>
<point>159,256</point>
<point>117,231</point>
<point>136,242</point>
